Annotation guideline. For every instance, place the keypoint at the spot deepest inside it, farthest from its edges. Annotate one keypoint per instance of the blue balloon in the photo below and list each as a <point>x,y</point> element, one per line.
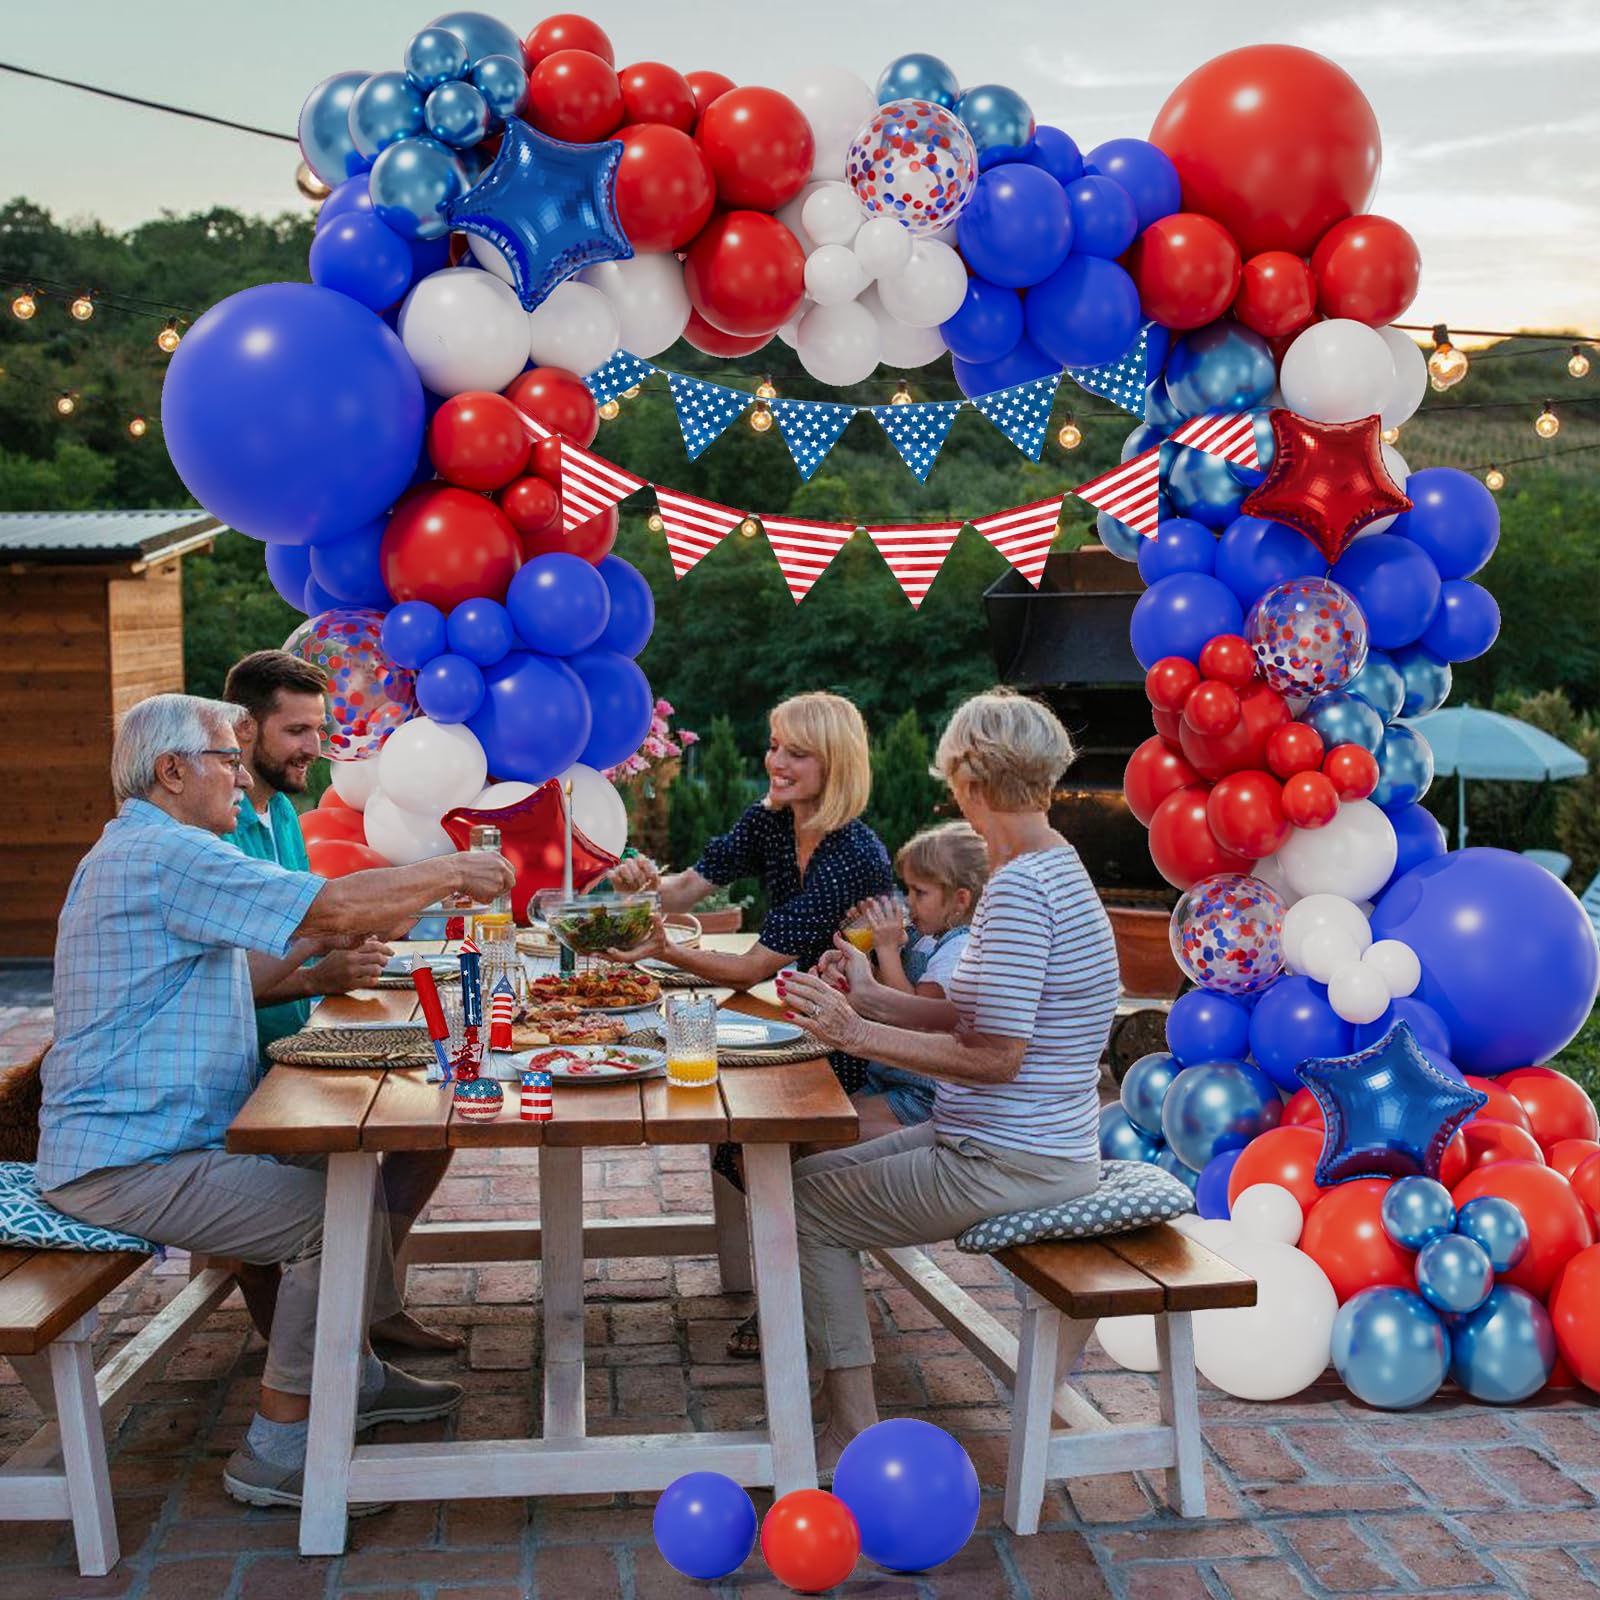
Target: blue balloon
<point>428,255</point>
<point>623,706</point>
<point>1405,768</point>
<point>411,184</point>
<point>482,34</point>
<point>413,634</point>
<point>633,607</point>
<point>1179,546</point>
<point>1211,1189</point>
<point>1425,1023</point>
<point>358,256</point>
<point>1466,623</point>
<point>1121,1141</point>
<point>1396,585</point>
<point>1144,171</point>
<point>435,56</point>
<point>482,631</point>
<point>1159,410</point>
<point>1144,1087</point>
<point>1024,362</point>
<point>1168,1161</point>
<point>1390,1348</point>
<point>1125,543</point>
<point>1425,678</point>
<point>1203,487</point>
<point>1085,313</point>
<point>324,129</point>
<point>1293,1022</point>
<point>353,197</point>
<point>1140,440</point>
<point>1157,342</point>
<point>988,324</point>
<point>999,120</point>
<point>1015,230</point>
<point>348,568</point>
<point>292,413</point>
<point>317,599</point>
<point>1453,517</point>
<point>1419,838</point>
<point>384,110</point>
<point>1255,555</point>
<point>918,77</point>
<point>288,566</point>
<point>1498,1226</point>
<point>1205,1026</point>
<point>1416,1211</point>
<point>1504,1351</point>
<point>1217,1106</point>
<point>1180,615</point>
<point>503,85</point>
<point>457,115</point>
<point>559,604</point>
<point>1104,221</point>
<point>913,1491</point>
<point>450,688</point>
<point>1343,719</point>
<point>1057,153</point>
<point>1221,367</point>
<point>1454,1275</point>
<point>705,1526</point>
<point>1381,684</point>
<point>535,718</point>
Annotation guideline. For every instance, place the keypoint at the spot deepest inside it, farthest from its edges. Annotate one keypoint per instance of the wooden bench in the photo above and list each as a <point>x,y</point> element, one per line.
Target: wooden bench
<point>1156,1271</point>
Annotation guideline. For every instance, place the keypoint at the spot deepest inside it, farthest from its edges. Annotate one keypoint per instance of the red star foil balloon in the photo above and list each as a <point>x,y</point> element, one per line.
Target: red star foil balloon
<point>531,835</point>
<point>1327,480</point>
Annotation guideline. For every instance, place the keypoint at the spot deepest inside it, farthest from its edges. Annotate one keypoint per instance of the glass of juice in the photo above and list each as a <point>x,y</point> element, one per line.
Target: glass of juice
<point>691,1038</point>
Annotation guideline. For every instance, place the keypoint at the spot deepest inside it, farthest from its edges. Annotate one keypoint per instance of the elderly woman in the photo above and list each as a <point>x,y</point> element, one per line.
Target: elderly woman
<point>1014,1051</point>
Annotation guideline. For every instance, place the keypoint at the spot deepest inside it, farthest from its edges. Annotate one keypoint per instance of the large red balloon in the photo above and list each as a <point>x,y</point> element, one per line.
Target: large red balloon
<point>1261,711</point>
<point>810,1541</point>
<point>1567,1155</point>
<point>706,87</point>
<point>1559,1224</point>
<point>477,441</point>
<point>557,398</point>
<point>566,31</point>
<point>1277,143</point>
<point>1344,1235</point>
<point>746,274</point>
<point>321,826</point>
<point>1154,772</point>
<point>445,545</point>
<point>1245,811</point>
<point>1489,1141</point>
<point>1286,1156</point>
<point>336,858</point>
<point>1572,1311</point>
<point>714,342</point>
<point>1187,269</point>
<point>760,147</point>
<point>1277,294</point>
<point>665,191</point>
<point>532,506</point>
<point>590,541</point>
<point>574,95</point>
<point>1557,1107</point>
<point>1182,844</point>
<point>1367,270</point>
<point>652,92</point>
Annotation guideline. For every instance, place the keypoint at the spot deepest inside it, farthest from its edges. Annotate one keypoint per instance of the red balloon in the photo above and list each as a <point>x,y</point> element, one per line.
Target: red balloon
<point>566,31</point>
<point>445,545</point>
<point>1456,1162</point>
<point>1572,1311</point>
<point>332,800</point>
<point>544,461</point>
<point>746,273</point>
<point>1277,295</point>
<point>1182,844</point>
<point>1229,659</point>
<point>1567,1155</point>
<point>1170,682</point>
<point>1187,269</point>
<point>1212,709</point>
<point>1558,1108</point>
<point>326,826</point>
<point>706,87</point>
<point>1169,725</point>
<point>574,95</point>
<point>1293,748</point>
<point>1285,1155</point>
<point>1489,1141</point>
<point>1245,811</point>
<point>714,342</point>
<point>810,1540</point>
<point>1344,1235</point>
<point>665,191</point>
<point>1585,1181</point>
<point>590,541</point>
<point>760,147</point>
<point>1559,1224</point>
<point>1261,710</point>
<point>1503,1106</point>
<point>1351,770</point>
<point>557,398</point>
<point>1367,270</point>
<point>477,441</point>
<point>1153,772</point>
<point>336,858</point>
<point>1302,1110</point>
<point>1310,800</point>
<point>1275,142</point>
<point>652,92</point>
<point>531,506</point>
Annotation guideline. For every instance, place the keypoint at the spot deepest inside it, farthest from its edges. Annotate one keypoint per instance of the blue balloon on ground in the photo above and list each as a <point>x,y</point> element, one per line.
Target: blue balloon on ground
<point>1498,1226</point>
<point>1221,367</point>
<point>481,630</point>
<point>1454,1275</point>
<point>1057,153</point>
<point>1144,171</point>
<point>1024,362</point>
<point>535,718</point>
<point>1432,1037</point>
<point>1416,1211</point>
<point>1390,1348</point>
<point>1120,1140</point>
<point>913,1491</point>
<point>988,324</point>
<point>1203,487</point>
<point>1125,543</point>
<point>705,1526</point>
<point>292,413</point>
<point>918,77</point>
<point>348,568</point>
<point>1504,1351</point>
<point>633,607</point>
<point>622,703</point>
<point>288,566</point>
<point>1203,1026</point>
<point>1211,1189</point>
<point>1083,314</point>
<point>1180,545</point>
<point>413,634</point>
<point>358,256</point>
<point>387,108</point>
<point>1217,1106</point>
<point>1466,624</point>
<point>1167,1160</point>
<point>1293,1022</point>
<point>1016,229</point>
<point>1418,837</point>
<point>1396,585</point>
<point>1180,615</point>
<point>482,34</point>
<point>411,182</point>
<point>324,129</point>
<point>1144,1087</point>
<point>559,603</point>
<point>999,120</point>
<point>1381,684</point>
<point>1453,517</point>
<point>1405,768</point>
<point>1425,679</point>
<point>1254,555</point>
<point>351,198</point>
<point>1341,718</point>
<point>1104,220</point>
<point>450,688</point>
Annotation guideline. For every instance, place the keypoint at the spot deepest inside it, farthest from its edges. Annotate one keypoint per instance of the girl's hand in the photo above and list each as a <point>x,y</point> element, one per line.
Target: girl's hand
<point>822,1011</point>
<point>652,947</point>
<point>887,921</point>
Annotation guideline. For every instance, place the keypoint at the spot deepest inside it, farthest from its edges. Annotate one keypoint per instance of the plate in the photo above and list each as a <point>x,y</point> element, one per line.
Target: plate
<point>417,1023</point>
<point>508,1065</point>
<point>755,1033</point>
<point>648,1007</point>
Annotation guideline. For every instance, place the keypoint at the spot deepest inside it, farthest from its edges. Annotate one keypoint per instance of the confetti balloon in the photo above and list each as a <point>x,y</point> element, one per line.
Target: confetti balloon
<point>915,162</point>
<point>368,695</point>
<point>1308,635</point>
<point>1227,934</point>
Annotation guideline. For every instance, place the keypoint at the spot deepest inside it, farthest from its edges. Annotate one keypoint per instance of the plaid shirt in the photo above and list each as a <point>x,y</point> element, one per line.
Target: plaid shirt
<point>155,1048</point>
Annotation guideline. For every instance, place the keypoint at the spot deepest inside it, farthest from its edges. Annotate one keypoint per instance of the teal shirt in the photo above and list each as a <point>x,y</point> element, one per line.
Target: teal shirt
<point>278,839</point>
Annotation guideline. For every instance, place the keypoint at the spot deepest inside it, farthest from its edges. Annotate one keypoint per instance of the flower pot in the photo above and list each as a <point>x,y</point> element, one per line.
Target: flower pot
<point>1144,953</point>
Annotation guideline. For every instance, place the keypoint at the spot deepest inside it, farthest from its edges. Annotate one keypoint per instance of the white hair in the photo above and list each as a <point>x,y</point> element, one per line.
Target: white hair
<point>165,724</point>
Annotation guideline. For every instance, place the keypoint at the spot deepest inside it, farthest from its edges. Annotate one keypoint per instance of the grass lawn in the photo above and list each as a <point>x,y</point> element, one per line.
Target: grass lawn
<point>1581,1058</point>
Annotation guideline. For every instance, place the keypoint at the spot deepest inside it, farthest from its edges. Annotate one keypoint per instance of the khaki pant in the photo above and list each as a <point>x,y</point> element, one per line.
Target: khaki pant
<point>257,1208</point>
<point>910,1187</point>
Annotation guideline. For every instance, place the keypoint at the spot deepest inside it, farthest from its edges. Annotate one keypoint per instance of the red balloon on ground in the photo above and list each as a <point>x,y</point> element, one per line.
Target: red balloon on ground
<point>1567,1155</point>
<point>336,858</point>
<point>706,87</point>
<point>344,823</point>
<point>746,274</point>
<point>1302,1110</point>
<point>760,147</point>
<point>665,191</point>
<point>477,441</point>
<point>574,95</point>
<point>1245,810</point>
<point>1557,1107</point>
<point>1352,770</point>
<point>810,1540</point>
<point>1287,1156</point>
<point>1295,747</point>
<point>557,398</point>
<point>1344,1235</point>
<point>590,541</point>
<point>714,342</point>
<point>1229,659</point>
<point>1367,270</point>
<point>1310,800</point>
<point>1187,269</point>
<point>1261,710</point>
<point>1170,682</point>
<point>1585,1181</point>
<point>1277,295</point>
<point>1559,1224</point>
<point>531,506</point>
<point>1503,1106</point>
<point>446,545</point>
<point>1153,772</point>
<point>1489,1141</point>
<point>566,31</point>
<point>1572,1311</point>
<point>654,92</point>
<point>1182,844</point>
<point>1277,143</point>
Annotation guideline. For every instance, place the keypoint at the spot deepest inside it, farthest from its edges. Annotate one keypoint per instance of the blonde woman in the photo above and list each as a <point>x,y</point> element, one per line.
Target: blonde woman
<point>1014,1050</point>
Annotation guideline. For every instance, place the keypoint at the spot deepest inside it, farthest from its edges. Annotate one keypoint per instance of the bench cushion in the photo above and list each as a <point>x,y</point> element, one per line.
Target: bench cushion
<point>26,1221</point>
<point>1130,1195</point>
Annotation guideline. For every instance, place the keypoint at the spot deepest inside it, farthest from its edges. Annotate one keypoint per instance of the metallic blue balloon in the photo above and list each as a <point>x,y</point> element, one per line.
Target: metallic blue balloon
<point>1203,487</point>
<point>1141,440</point>
<point>1343,719</point>
<point>1121,1141</point>
<point>1144,1087</point>
<point>1454,1275</point>
<point>1159,410</point>
<point>1496,1224</point>
<point>482,35</point>
<point>435,56</point>
<point>324,129</point>
<point>1266,448</point>
<point>386,109</point>
<point>457,115</point>
<point>999,120</point>
<point>1416,1211</point>
<point>412,182</point>
<point>1506,1349</point>
<point>1123,542</point>
<point>918,77</point>
<point>1217,1106</point>
<point>1390,1348</point>
<point>1380,684</point>
<point>1221,367</point>
<point>1426,679</point>
<point>1405,767</point>
<point>503,85</point>
<point>1168,1162</point>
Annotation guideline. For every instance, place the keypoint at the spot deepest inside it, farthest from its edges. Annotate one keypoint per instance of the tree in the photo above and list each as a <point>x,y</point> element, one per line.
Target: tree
<point>710,799</point>
<point>904,793</point>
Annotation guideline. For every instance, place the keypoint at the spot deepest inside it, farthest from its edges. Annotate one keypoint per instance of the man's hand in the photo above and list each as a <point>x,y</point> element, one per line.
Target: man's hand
<point>344,970</point>
<point>485,877</point>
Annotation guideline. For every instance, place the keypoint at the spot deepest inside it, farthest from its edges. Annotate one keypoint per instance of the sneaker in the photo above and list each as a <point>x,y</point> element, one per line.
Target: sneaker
<point>402,1398</point>
<point>257,1482</point>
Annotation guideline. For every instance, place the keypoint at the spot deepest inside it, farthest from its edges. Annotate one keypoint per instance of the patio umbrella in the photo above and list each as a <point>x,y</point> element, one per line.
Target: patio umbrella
<point>1473,743</point>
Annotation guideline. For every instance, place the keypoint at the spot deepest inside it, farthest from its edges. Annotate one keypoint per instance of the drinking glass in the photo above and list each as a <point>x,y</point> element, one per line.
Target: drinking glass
<point>691,1039</point>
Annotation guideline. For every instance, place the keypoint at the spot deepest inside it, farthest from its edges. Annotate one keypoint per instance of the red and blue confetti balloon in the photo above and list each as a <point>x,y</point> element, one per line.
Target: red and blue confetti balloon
<point>1227,934</point>
<point>1309,635</point>
<point>915,162</point>
<point>368,695</point>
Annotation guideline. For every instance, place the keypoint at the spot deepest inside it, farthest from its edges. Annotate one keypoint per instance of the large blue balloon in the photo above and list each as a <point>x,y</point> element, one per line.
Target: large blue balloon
<point>387,108</point>
<point>1104,221</point>
<point>292,413</point>
<point>1293,1022</point>
<point>705,1526</point>
<point>1204,1026</point>
<point>1180,545</point>
<point>999,120</point>
<point>1057,153</point>
<point>633,607</point>
<point>1381,684</point>
<point>1144,171</point>
<point>358,256</point>
<point>1419,838</point>
<point>913,1491</point>
<point>1255,555</point>
<point>1203,487</point>
<point>1217,1106</point>
<point>1390,1348</point>
<point>1405,768</point>
<point>535,718</point>
<point>1085,313</point>
<point>348,567</point>
<point>1466,623</point>
<point>288,566</point>
<point>1024,362</point>
<point>1396,585</point>
<point>918,77</point>
<point>1504,1351</point>
<point>988,324</point>
<point>1221,367</point>
<point>483,35</point>
<point>1425,679</point>
<point>1144,1087</point>
<point>1121,1141</point>
<point>413,634</point>
<point>1341,718</point>
<point>1453,517</point>
<point>450,688</point>
<point>1508,955</point>
<point>1432,1036</point>
<point>1180,615</point>
<point>559,603</point>
<point>1211,1190</point>
<point>412,182</point>
<point>481,630</point>
<point>324,130</point>
<point>1016,229</point>
<point>623,706</point>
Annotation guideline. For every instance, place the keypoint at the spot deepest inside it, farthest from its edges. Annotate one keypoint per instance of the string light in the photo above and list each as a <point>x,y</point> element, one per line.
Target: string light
<point>1494,480</point>
<point>83,307</point>
<point>1447,366</point>
<point>749,528</point>
<point>66,403</point>
<point>169,338</point>
<point>610,411</point>
<point>901,396</point>
<point>654,523</point>
<point>631,394</point>
<point>1547,424</point>
<point>1578,362</point>
<point>138,427</point>
<point>24,306</point>
<point>1390,435</point>
<point>765,390</point>
<point>1071,435</point>
<point>309,184</point>
<point>760,417</point>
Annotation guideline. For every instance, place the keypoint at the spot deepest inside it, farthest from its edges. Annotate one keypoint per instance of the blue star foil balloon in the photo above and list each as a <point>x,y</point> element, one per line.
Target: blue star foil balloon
<point>1389,1112</point>
<point>548,207</point>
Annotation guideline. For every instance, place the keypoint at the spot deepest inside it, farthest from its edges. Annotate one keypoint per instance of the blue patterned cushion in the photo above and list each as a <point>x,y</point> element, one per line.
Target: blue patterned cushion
<point>1131,1194</point>
<point>27,1221</point>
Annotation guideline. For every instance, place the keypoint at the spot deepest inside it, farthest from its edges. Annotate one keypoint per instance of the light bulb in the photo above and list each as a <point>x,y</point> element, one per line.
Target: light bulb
<point>631,394</point>
<point>760,419</point>
<point>1547,424</point>
<point>66,403</point>
<point>749,528</point>
<point>609,411</point>
<point>1447,366</point>
<point>309,184</point>
<point>1071,435</point>
<point>138,427</point>
<point>901,396</point>
<point>765,390</point>
<point>24,306</point>
<point>1494,479</point>
<point>82,308</point>
<point>1578,362</point>
<point>1390,435</point>
<point>654,523</point>
<point>169,338</point>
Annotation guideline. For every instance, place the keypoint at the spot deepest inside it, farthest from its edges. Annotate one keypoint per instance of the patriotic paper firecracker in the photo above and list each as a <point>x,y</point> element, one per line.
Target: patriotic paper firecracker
<point>502,1004</point>
<point>537,1105</point>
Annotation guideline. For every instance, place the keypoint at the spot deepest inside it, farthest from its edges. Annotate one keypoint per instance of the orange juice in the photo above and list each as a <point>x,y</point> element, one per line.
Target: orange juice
<point>861,938</point>
<point>690,1070</point>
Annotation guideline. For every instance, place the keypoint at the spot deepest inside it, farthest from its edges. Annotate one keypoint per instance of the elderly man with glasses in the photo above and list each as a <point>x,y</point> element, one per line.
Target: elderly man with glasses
<point>166,936</point>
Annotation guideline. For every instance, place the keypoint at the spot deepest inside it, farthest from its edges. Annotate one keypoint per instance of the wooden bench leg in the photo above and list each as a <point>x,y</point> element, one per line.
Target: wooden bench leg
<point>83,1448</point>
<point>1031,1408</point>
<point>732,1218</point>
<point>1180,1411</point>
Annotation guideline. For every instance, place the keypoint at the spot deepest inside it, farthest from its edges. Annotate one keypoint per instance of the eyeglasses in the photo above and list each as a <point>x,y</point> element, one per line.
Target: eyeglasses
<point>232,759</point>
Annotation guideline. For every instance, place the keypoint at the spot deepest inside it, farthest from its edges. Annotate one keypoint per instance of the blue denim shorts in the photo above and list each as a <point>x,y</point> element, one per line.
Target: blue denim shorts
<point>909,1094</point>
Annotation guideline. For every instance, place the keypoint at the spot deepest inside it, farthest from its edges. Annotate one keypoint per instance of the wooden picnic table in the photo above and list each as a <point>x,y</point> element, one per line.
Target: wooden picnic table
<point>352,1115</point>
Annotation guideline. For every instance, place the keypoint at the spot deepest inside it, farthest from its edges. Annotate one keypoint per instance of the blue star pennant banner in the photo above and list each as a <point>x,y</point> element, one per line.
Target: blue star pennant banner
<point>1121,381</point>
<point>1022,413</point>
<point>918,432</point>
<point>811,428</point>
<point>705,410</point>
<point>621,372</point>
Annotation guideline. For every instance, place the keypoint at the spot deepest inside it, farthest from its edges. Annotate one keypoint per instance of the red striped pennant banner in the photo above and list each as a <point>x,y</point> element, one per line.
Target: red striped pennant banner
<point>694,527</point>
<point>915,552</point>
<point>804,549</point>
<point>1131,493</point>
<point>590,484</point>
<point>1229,434</point>
<point>536,429</point>
<point>1024,534</point>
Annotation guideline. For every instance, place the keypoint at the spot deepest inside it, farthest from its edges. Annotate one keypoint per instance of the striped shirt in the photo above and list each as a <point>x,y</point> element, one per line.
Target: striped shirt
<point>1040,965</point>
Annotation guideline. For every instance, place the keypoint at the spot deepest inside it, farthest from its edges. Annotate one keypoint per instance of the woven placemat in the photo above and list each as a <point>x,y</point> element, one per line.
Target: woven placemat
<point>783,1056</point>
<point>353,1047</point>
<point>677,978</point>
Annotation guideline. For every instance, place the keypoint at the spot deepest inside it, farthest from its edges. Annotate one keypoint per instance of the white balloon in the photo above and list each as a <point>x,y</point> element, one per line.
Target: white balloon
<point>576,327</point>
<point>403,836</point>
<point>1268,1211</point>
<point>832,214</point>
<point>1129,1341</point>
<point>903,347</point>
<point>1337,371</point>
<point>497,796</point>
<point>488,257</point>
<point>839,345</point>
<point>1358,993</point>
<point>833,275</point>
<point>883,247</point>
<point>1352,856</point>
<point>355,782</point>
<point>1325,951</point>
<point>649,298</point>
<point>1270,871</point>
<point>1410,377</point>
<point>789,333</point>
<point>597,808</point>
<point>1399,469</point>
<point>1318,912</point>
<point>430,767</point>
<point>790,215</point>
<point>930,288</point>
<point>836,103</point>
<point>1397,964</point>
<point>464,329</point>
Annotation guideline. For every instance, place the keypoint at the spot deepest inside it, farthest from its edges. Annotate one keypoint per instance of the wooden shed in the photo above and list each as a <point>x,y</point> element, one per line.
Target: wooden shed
<point>91,615</point>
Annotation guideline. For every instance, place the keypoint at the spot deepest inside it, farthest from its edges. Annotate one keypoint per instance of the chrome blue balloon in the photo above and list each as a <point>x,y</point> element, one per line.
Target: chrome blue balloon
<point>483,35</point>
<point>1168,1162</point>
<point>503,84</point>
<point>1266,448</point>
<point>1380,684</point>
<point>1121,1141</point>
<point>324,129</point>
<point>1405,767</point>
<point>1506,1349</point>
<point>1496,1224</point>
<point>457,115</point>
<point>918,77</point>
<point>999,120</point>
<point>1203,487</point>
<point>435,56</point>
<point>1454,1275</point>
<point>1159,410</point>
<point>1122,541</point>
<point>1144,1087</point>
<point>1217,1106</point>
<point>1426,679</point>
<point>1390,1348</point>
<point>412,182</point>
<point>1220,367</point>
<point>1416,1211</point>
<point>1343,719</point>
<point>385,109</point>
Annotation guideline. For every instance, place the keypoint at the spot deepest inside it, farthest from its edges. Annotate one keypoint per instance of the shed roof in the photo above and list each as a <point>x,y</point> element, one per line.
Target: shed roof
<point>87,536</point>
